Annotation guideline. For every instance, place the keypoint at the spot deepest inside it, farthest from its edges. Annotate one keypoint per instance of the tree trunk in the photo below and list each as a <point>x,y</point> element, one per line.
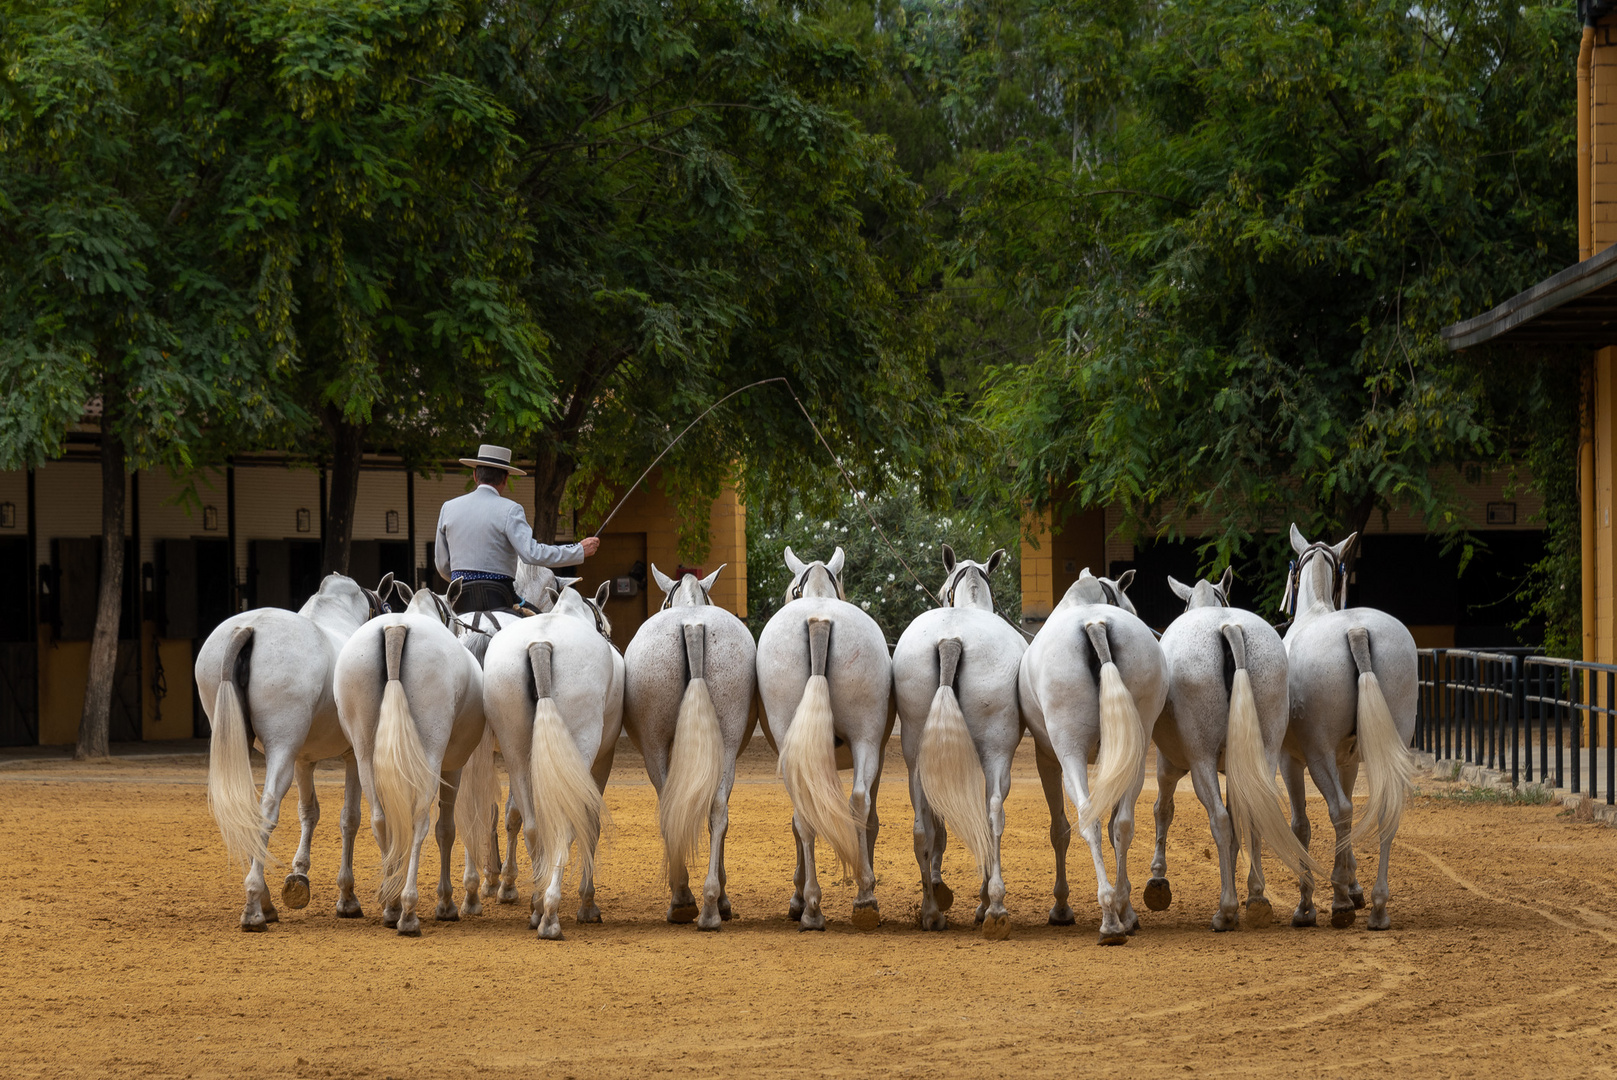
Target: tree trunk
<point>551,471</point>
<point>337,531</point>
<point>1356,521</point>
<point>95,723</point>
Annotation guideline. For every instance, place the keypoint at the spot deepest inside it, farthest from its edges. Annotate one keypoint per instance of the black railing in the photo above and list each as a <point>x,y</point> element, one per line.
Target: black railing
<point>1538,716</point>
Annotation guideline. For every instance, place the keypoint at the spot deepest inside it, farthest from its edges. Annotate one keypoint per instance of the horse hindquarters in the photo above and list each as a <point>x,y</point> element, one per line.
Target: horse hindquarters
<point>695,763</point>
<point>808,762</point>
<point>404,781</point>
<point>566,803</point>
<point>1120,762</point>
<point>232,795</point>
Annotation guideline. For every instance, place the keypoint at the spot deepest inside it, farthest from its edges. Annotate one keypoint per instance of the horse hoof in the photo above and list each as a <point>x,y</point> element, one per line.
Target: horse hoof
<point>866,916</point>
<point>811,922</point>
<point>979,915</point>
<point>682,913</point>
<point>996,927</point>
<point>794,910</point>
<point>1062,915</point>
<point>471,906</point>
<point>935,921</point>
<point>1357,896</point>
<point>1158,894</point>
<point>1117,938</point>
<point>591,914</point>
<point>508,895</point>
<point>253,926</point>
<point>1379,920</point>
<point>1302,918</point>
<point>410,933</point>
<point>355,912</point>
<point>943,895</point>
<point>726,913</point>
<point>1259,913</point>
<point>551,932</point>
<point>714,929</point>
<point>295,892</point>
<point>1223,924</point>
<point>451,915</point>
<point>1342,917</point>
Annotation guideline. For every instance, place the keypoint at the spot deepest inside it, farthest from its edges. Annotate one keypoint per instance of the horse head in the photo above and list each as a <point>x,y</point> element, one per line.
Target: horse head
<point>569,601</point>
<point>1318,575</point>
<point>965,583</point>
<point>1204,593</point>
<point>688,591</point>
<point>535,586</point>
<point>428,603</point>
<point>1089,589</point>
<point>823,579</point>
<point>340,601</point>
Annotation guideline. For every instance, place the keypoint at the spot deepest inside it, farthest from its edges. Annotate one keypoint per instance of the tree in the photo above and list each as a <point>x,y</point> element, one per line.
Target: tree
<point>110,293</point>
<point>1291,201</point>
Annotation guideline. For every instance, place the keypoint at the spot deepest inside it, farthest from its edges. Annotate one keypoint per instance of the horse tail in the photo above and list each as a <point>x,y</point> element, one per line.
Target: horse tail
<point>950,772</point>
<point>696,763</point>
<point>808,757</point>
<point>1389,766</point>
<point>476,805</point>
<point>232,795</point>
<point>1254,801</point>
<point>566,803</point>
<point>1121,762</point>
<point>405,780</point>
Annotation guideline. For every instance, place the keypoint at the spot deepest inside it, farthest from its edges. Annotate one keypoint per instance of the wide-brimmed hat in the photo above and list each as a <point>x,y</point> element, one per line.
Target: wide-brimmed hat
<point>494,457</point>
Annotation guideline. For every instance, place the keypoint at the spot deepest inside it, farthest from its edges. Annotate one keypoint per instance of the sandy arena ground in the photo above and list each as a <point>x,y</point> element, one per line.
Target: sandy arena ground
<point>122,955</point>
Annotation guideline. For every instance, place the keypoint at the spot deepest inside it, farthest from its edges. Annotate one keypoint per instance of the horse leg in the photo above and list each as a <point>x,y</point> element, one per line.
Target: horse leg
<point>1075,773</point>
<point>1259,912</point>
<point>1204,776</point>
<point>715,904</point>
<point>799,875</point>
<point>445,910</point>
<point>1379,920</point>
<point>471,884</point>
<point>260,909</point>
<point>295,890</point>
<point>408,921</point>
<point>940,843</point>
<point>812,918</point>
<point>1122,840</point>
<point>588,911</point>
<point>1061,914</point>
<point>549,917</point>
<point>925,831</point>
<point>491,872</point>
<point>681,904</point>
<point>513,827</point>
<point>1158,893</point>
<point>347,903</point>
<point>996,921</point>
<point>1292,771</point>
<point>1350,778</point>
<point>862,802</point>
<point>1323,769</point>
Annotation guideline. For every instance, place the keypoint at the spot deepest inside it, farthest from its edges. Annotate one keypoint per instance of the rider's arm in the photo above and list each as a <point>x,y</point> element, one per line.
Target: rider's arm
<point>529,550</point>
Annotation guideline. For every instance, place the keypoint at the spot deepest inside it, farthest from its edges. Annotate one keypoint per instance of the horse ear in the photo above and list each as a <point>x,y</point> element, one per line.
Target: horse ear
<point>948,559</point>
<point>566,583</point>
<point>664,582</point>
<point>1125,580</point>
<point>793,563</point>
<point>552,594</point>
<point>1180,589</point>
<point>995,559</point>
<point>707,582</point>
<point>453,592</point>
<point>1226,581</point>
<point>1341,550</point>
<point>405,592</point>
<point>1084,573</point>
<point>1298,544</point>
<point>834,563</point>
<point>384,587</point>
<point>603,593</point>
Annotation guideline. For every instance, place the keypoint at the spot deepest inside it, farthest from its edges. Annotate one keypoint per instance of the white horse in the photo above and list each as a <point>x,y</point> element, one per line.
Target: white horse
<point>826,683</point>
<point>1227,708</point>
<point>553,692</point>
<point>265,677</point>
<point>954,675</point>
<point>1353,693</point>
<point>1092,684</point>
<point>410,699</point>
<point>690,682</point>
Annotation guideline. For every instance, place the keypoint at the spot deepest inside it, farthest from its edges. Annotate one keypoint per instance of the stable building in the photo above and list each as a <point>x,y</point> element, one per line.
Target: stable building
<point>250,536</point>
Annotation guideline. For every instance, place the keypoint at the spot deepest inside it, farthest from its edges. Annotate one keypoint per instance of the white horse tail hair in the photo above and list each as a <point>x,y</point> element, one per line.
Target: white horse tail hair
<point>696,763</point>
<point>1388,765</point>
<point>476,805</point>
<point>1254,801</point>
<point>566,803</point>
<point>232,795</point>
<point>1121,761</point>
<point>405,780</point>
<point>950,772</point>
<point>808,757</point>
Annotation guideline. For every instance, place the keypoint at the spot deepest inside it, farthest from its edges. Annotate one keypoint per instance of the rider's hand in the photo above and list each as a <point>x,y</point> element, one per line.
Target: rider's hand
<point>590,544</point>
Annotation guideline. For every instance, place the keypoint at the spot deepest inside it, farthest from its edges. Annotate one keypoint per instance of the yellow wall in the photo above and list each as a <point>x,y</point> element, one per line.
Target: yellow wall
<point>1053,558</point>
<point>64,669</point>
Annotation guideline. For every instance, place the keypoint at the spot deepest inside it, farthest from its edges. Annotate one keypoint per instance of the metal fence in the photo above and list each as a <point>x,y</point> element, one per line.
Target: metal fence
<point>1546,720</point>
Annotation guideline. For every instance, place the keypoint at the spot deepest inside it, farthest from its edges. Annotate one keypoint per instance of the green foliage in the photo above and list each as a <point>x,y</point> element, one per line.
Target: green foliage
<point>875,575</point>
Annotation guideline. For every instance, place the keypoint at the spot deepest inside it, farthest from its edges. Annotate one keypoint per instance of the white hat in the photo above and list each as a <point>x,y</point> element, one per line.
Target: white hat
<point>496,457</point>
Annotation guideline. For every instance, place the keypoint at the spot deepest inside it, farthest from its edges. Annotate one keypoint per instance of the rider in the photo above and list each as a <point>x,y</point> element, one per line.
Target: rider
<point>481,537</point>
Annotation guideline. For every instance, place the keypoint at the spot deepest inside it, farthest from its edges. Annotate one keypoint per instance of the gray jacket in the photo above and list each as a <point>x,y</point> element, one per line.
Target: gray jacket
<point>486,531</point>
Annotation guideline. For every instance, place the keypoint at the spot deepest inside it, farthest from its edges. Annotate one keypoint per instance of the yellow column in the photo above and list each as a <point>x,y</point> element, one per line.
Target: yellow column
<point>1038,569</point>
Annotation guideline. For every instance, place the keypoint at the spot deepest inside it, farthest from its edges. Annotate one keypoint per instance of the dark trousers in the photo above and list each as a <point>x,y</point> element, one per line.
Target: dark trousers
<point>485,596</point>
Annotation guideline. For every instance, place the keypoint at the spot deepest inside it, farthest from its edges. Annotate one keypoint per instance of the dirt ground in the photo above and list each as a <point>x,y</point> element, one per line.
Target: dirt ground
<point>122,956</point>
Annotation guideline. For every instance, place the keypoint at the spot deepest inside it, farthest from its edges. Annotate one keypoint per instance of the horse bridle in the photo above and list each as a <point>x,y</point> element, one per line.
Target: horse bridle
<point>797,584</point>
<point>959,575</point>
<point>668,600</point>
<point>376,604</point>
<point>1295,571</point>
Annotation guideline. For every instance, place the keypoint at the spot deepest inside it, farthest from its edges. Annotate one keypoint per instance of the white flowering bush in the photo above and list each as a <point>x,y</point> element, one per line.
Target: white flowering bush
<point>874,577</point>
